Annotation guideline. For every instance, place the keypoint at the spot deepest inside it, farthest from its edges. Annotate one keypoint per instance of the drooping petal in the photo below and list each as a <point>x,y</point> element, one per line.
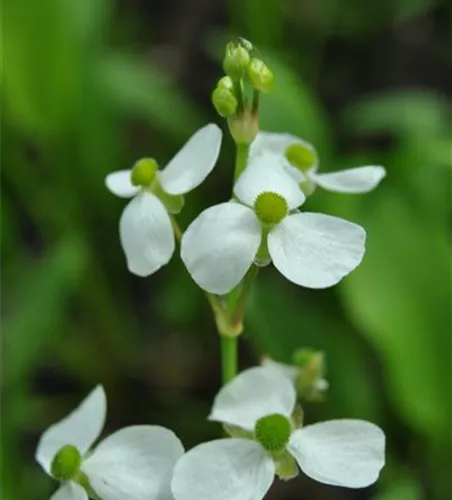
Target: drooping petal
<point>253,394</point>
<point>70,491</point>
<point>135,463</point>
<point>80,428</point>
<point>220,245</point>
<point>353,180</point>
<point>316,250</point>
<point>226,469</point>
<point>277,143</point>
<point>346,453</point>
<point>266,173</point>
<point>119,183</point>
<point>290,371</point>
<point>146,234</point>
<point>194,162</point>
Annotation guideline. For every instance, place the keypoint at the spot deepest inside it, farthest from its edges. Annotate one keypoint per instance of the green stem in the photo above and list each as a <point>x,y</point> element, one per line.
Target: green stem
<point>239,309</point>
<point>241,159</point>
<point>228,358</point>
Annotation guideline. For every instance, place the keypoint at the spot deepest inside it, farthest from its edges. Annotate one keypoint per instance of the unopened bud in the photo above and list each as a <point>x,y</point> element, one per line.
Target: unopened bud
<point>244,127</point>
<point>224,101</point>
<point>260,76</point>
<point>226,83</point>
<point>236,60</point>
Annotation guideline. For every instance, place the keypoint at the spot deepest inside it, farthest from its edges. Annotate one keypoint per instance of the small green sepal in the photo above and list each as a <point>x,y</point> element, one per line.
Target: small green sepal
<point>273,432</point>
<point>66,463</point>
<point>143,172</point>
<point>286,467</point>
<point>173,202</point>
<point>260,76</point>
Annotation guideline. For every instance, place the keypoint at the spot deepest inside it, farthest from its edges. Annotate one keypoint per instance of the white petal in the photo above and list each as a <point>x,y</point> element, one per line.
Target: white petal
<point>273,142</point>
<point>219,246</point>
<point>194,162</point>
<point>226,469</point>
<point>119,184</point>
<point>70,491</point>
<point>353,180</point>
<point>289,371</point>
<point>316,250</point>
<point>80,429</point>
<point>340,452</point>
<point>146,234</point>
<point>135,463</point>
<point>253,394</point>
<point>267,173</point>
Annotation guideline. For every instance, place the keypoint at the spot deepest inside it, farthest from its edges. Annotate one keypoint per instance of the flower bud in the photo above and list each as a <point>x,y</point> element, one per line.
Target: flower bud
<point>224,101</point>
<point>226,83</point>
<point>143,172</point>
<point>236,60</point>
<point>66,463</point>
<point>260,76</point>
<point>244,127</point>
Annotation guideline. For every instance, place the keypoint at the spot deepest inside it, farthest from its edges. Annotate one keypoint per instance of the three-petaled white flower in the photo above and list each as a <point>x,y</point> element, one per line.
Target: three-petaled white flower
<point>309,249</point>
<point>302,164</point>
<point>261,402</point>
<point>135,463</point>
<point>145,227</point>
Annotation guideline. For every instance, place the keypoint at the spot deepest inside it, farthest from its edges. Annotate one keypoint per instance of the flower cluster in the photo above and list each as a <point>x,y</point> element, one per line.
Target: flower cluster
<point>261,223</point>
<point>258,409</point>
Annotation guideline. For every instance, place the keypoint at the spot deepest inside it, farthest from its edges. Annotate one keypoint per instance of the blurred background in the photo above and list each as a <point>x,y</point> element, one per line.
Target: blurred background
<point>90,86</point>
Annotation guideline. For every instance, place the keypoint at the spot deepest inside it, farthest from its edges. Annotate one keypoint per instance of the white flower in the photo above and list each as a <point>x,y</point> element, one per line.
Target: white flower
<point>135,463</point>
<point>312,250</point>
<point>145,227</point>
<point>354,180</point>
<point>261,401</point>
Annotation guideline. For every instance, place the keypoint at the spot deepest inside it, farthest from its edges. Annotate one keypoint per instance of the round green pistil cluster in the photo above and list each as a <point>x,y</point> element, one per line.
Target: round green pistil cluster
<point>273,432</point>
<point>301,156</point>
<point>143,172</point>
<point>66,463</point>
<point>270,208</point>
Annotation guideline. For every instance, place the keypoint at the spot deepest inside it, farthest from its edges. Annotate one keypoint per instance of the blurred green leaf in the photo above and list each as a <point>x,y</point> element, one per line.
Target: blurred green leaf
<point>399,297</point>
<point>138,88</point>
<point>41,65</point>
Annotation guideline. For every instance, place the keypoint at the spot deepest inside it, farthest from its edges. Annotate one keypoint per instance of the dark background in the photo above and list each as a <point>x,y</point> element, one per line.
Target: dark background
<point>90,86</point>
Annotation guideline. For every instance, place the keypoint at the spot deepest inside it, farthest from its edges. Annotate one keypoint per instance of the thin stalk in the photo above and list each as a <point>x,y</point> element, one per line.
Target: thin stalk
<point>239,310</point>
<point>228,358</point>
<point>241,159</point>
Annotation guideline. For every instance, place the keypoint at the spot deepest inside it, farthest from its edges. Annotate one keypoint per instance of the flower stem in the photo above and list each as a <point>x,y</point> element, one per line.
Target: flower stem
<point>241,159</point>
<point>228,358</point>
<point>176,228</point>
<point>239,309</point>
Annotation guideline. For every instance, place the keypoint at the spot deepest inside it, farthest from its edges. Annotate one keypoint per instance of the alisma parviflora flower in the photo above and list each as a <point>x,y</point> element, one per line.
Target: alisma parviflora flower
<point>309,249</point>
<point>145,226</point>
<point>261,402</point>
<point>134,463</point>
<point>303,155</point>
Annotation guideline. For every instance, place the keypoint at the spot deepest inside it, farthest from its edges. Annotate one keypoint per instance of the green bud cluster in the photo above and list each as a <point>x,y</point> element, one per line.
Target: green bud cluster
<point>66,463</point>
<point>273,432</point>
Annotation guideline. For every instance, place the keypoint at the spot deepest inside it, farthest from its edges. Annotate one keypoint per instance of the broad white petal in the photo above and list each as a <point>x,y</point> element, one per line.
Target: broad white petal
<point>220,245</point>
<point>194,162</point>
<point>353,180</point>
<point>146,234</point>
<point>347,453</point>
<point>289,371</point>
<point>226,469</point>
<point>267,173</point>
<point>316,250</point>
<point>119,184</point>
<point>70,491</point>
<point>80,428</point>
<point>253,394</point>
<point>273,142</point>
<point>135,463</point>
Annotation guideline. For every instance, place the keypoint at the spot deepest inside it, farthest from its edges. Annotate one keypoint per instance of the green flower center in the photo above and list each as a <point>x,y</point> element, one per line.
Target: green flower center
<point>143,172</point>
<point>270,208</point>
<point>273,432</point>
<point>301,156</point>
<point>66,463</point>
